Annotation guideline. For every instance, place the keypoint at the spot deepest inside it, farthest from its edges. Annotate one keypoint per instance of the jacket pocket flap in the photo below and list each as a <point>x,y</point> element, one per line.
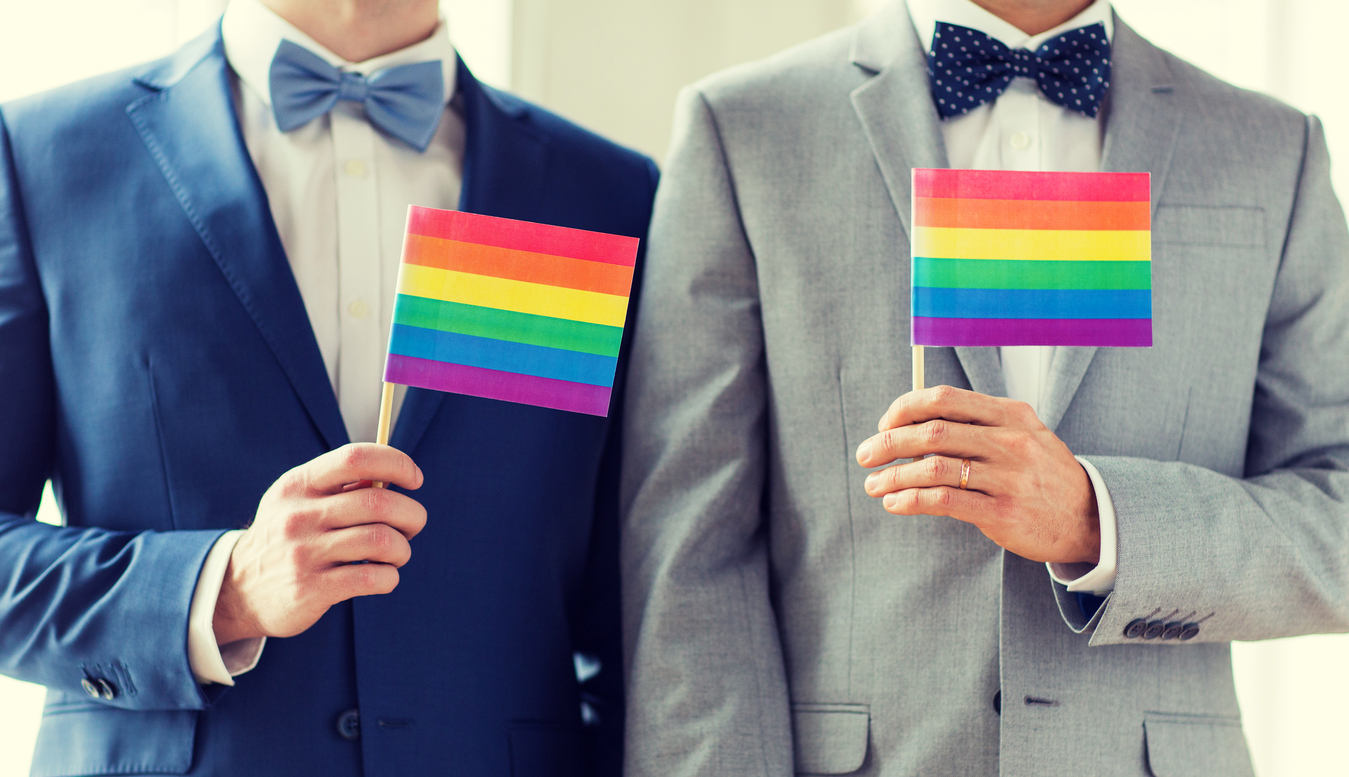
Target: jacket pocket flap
<point>78,739</point>
<point>1206,225</point>
<point>1195,746</point>
<point>830,738</point>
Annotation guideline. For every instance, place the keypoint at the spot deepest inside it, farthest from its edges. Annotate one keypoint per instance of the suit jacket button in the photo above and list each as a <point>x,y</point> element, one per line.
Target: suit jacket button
<point>1173,630</point>
<point>106,689</point>
<point>349,725</point>
<point>1135,628</point>
<point>1189,631</point>
<point>90,688</point>
<point>997,702</point>
<point>1154,630</point>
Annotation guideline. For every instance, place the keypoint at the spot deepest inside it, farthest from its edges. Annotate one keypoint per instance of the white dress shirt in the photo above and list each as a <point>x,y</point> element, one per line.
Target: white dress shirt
<point>339,191</point>
<point>1022,130</point>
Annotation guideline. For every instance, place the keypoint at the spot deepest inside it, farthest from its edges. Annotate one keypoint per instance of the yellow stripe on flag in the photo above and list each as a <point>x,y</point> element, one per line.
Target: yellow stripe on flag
<point>1046,244</point>
<point>519,296</point>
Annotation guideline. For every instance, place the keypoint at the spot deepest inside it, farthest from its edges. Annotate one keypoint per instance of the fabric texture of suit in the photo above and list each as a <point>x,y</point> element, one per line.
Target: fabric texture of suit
<point>156,363</point>
<point>777,619</point>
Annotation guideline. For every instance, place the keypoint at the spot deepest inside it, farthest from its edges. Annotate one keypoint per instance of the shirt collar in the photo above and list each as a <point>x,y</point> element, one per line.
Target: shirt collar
<point>926,14</point>
<point>251,32</point>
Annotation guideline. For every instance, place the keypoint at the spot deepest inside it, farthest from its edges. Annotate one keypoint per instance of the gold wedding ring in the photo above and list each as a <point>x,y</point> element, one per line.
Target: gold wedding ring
<point>964,473</point>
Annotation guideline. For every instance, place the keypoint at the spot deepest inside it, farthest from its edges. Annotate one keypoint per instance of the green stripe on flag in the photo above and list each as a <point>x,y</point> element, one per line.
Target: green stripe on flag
<point>507,325</point>
<point>1012,274</point>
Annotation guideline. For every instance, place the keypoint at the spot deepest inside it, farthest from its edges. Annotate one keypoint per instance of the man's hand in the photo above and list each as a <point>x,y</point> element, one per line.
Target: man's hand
<point>294,562</point>
<point>1026,492</point>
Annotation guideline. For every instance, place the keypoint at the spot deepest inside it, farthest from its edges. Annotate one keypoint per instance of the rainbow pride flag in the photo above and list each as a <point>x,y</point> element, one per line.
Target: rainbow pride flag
<point>1020,258</point>
<point>510,310</point>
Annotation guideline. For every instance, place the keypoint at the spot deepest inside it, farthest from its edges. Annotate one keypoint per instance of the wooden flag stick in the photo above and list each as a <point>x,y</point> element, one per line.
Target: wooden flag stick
<point>385,416</point>
<point>918,377</point>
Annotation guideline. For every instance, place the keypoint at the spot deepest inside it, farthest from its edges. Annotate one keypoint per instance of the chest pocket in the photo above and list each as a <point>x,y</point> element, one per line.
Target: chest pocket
<point>1203,225</point>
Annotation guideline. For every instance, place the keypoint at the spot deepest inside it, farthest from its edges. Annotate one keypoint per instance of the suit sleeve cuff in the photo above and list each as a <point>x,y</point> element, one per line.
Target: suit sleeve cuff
<point>1085,578</point>
<point>212,662</point>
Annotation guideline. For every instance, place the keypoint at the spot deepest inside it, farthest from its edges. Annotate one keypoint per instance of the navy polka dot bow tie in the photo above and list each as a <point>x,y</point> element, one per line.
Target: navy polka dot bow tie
<point>969,68</point>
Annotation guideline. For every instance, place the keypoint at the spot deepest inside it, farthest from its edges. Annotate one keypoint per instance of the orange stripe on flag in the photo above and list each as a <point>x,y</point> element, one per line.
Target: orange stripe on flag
<point>512,264</point>
<point>1030,214</point>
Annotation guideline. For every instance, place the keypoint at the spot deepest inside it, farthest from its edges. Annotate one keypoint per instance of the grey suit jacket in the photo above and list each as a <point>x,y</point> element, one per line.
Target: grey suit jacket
<point>777,619</point>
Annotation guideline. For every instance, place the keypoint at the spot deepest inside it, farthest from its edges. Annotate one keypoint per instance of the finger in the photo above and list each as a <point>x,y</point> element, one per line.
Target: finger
<point>932,472</point>
<point>959,405</point>
<point>352,580</point>
<point>940,437</point>
<point>334,470</point>
<point>373,505</point>
<point>967,506</point>
<point>377,543</point>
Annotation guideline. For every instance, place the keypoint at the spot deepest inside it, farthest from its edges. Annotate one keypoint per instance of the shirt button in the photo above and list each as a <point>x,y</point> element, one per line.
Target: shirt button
<point>1020,141</point>
<point>358,309</point>
<point>354,168</point>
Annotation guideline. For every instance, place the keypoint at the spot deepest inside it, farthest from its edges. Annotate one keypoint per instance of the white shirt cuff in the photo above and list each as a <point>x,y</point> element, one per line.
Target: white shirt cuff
<point>212,662</point>
<point>1083,577</point>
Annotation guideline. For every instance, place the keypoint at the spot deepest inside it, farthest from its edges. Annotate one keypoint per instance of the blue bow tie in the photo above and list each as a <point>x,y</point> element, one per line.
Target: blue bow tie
<point>969,68</point>
<point>405,101</point>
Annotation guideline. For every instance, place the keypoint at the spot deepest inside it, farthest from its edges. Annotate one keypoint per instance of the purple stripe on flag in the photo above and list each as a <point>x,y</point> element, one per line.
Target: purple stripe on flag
<point>494,384</point>
<point>1114,332</point>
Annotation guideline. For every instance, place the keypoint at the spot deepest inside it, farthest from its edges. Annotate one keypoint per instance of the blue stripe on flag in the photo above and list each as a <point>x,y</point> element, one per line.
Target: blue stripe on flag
<point>1032,303</point>
<point>503,355</point>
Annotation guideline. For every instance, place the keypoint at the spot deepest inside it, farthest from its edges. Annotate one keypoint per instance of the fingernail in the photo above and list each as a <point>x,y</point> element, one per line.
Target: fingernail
<point>871,481</point>
<point>864,451</point>
<point>890,500</point>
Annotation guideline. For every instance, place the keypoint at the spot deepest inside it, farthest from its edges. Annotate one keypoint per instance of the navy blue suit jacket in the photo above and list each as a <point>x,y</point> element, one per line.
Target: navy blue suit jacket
<point>157,364</point>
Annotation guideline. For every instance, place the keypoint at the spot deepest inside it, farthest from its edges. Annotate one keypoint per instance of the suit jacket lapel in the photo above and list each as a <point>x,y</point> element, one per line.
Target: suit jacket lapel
<point>188,125</point>
<point>895,104</point>
<point>504,166</point>
<point>1142,124</point>
<point>901,124</point>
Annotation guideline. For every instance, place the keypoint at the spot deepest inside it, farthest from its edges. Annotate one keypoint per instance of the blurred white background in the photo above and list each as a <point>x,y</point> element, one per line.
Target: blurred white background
<point>615,65</point>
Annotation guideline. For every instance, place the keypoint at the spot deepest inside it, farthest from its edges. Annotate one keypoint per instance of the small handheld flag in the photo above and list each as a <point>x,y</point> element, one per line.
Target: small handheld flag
<point>1005,257</point>
<point>509,310</point>
<point>1024,258</point>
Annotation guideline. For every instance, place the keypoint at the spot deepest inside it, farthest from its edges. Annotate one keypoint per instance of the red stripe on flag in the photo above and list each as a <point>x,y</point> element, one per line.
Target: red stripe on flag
<point>522,235</point>
<point>1017,185</point>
